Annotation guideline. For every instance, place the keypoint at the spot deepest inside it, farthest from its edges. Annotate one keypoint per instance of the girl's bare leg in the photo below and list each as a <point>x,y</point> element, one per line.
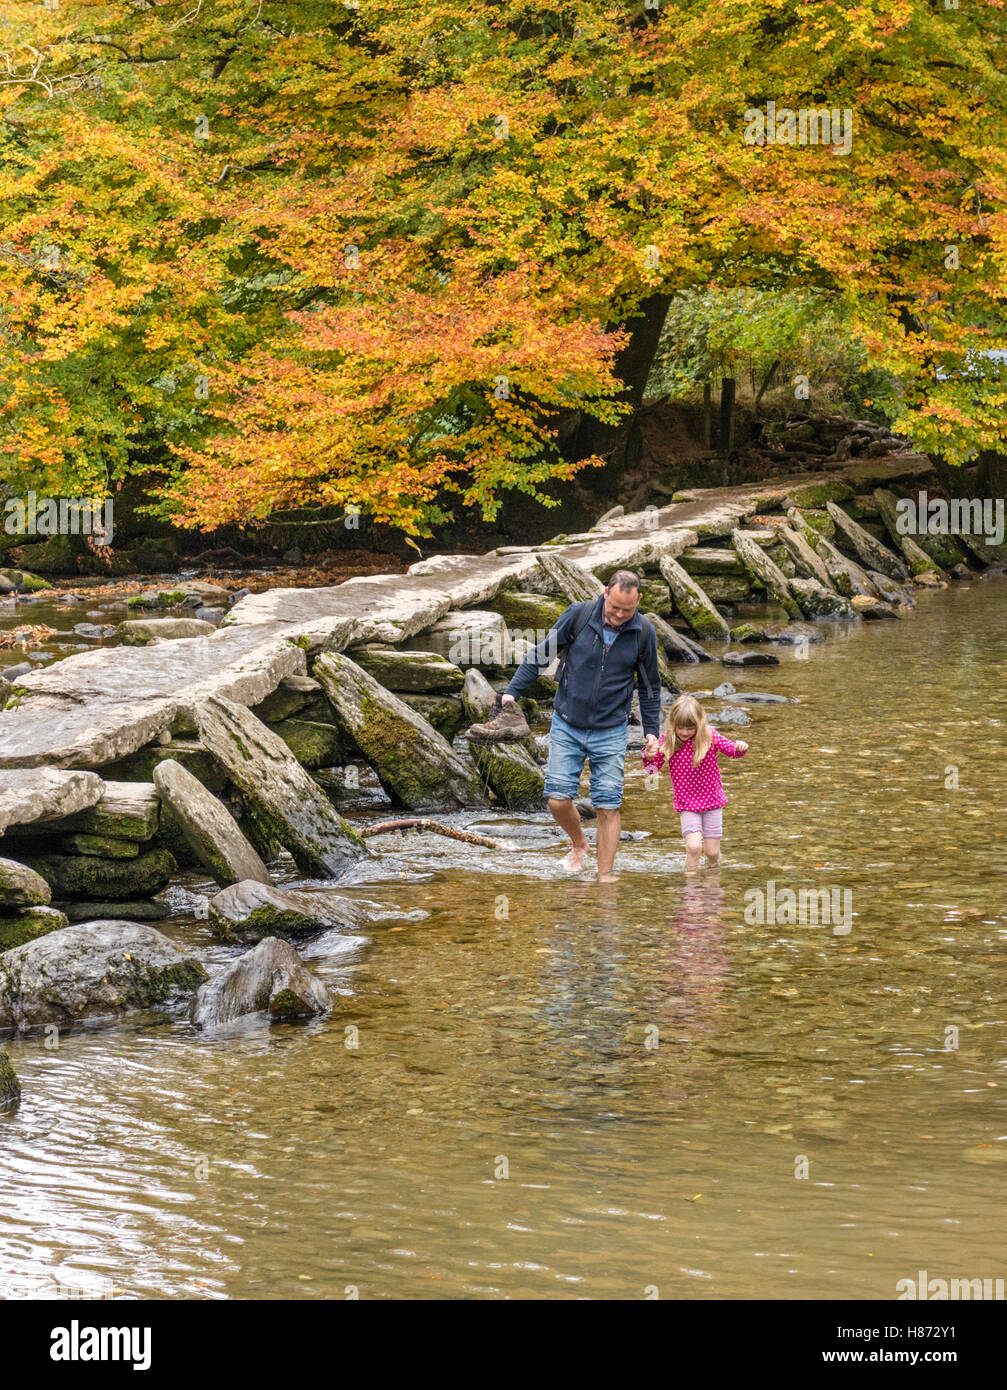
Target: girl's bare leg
<point>693,845</point>
<point>711,848</point>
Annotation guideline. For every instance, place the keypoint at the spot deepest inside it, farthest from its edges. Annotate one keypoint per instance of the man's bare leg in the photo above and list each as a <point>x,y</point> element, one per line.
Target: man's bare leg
<point>567,817</point>
<point>609,829</point>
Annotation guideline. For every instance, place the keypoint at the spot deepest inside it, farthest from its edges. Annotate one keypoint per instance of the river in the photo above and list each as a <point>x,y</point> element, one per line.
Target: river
<point>546,1089</point>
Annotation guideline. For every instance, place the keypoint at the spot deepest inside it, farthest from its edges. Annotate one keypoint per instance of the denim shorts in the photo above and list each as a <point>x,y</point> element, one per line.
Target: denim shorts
<point>605,753</point>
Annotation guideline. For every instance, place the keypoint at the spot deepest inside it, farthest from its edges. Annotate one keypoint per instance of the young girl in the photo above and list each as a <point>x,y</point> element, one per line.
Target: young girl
<point>691,748</point>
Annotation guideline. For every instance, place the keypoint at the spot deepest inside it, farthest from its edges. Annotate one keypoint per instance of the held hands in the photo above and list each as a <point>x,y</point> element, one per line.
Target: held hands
<point>650,748</point>
<point>506,700</point>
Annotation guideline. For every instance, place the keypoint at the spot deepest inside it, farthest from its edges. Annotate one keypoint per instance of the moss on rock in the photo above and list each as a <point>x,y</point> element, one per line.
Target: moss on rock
<point>82,876</point>
<point>10,1086</point>
<point>33,922</point>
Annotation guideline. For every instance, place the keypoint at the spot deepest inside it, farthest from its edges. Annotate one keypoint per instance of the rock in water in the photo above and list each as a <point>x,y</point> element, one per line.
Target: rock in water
<point>511,774</point>
<point>135,910</point>
<point>270,978</point>
<point>917,559</point>
<point>944,551</point>
<point>32,922</point>
<point>250,911</point>
<point>21,886</point>
<point>98,970</point>
<point>277,790</point>
<point>741,658</point>
<point>677,647</point>
<point>808,562</point>
<point>794,634</point>
<point>470,637</point>
<point>102,846</point>
<point>209,829</point>
<point>819,602</point>
<point>138,632</point>
<point>871,551</point>
<point>413,762</point>
<point>846,576</point>
<point>692,602</point>
<point>84,876</point>
<point>10,1086</point>
<point>762,568</point>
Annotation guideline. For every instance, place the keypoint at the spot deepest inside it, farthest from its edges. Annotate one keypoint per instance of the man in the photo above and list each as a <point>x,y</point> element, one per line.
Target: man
<point>605,647</point>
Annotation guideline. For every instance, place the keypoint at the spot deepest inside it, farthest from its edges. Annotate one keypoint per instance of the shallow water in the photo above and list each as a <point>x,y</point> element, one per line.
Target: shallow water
<point>566,1091</point>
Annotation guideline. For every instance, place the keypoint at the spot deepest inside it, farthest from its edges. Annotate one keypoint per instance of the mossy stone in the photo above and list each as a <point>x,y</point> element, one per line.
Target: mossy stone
<point>82,876</point>
<point>100,846</point>
<point>817,494</point>
<point>313,745</point>
<point>139,766</point>
<point>29,924</point>
<point>443,712</point>
<point>527,610</point>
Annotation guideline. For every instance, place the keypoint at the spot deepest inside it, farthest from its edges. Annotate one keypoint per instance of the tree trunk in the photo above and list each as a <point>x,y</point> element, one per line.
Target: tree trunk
<point>620,445</point>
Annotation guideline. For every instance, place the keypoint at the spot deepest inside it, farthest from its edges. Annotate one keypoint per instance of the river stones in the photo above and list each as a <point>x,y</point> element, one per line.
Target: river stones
<point>30,923</point>
<point>945,551</point>
<point>10,1086</point>
<point>38,793</point>
<point>872,552</point>
<point>208,827</point>
<point>763,569</point>
<point>125,810</point>
<point>21,886</point>
<point>277,791</point>
<point>97,970</point>
<point>794,634</point>
<point>271,978</point>
<point>538,612</point>
<point>250,911</point>
<point>442,712</point>
<point>511,774</point>
<point>138,632</point>
<point>573,581</point>
<point>676,645</point>
<point>415,672</point>
<point>470,637</point>
<point>665,674</point>
<point>916,558</point>
<point>847,577</point>
<point>413,762</point>
<point>655,597</point>
<point>743,658</point>
<point>872,609</point>
<point>705,560</point>
<point>817,601</point>
<point>820,494</point>
<point>747,632</point>
<point>312,744</point>
<point>807,562</point>
<point>692,602</point>
<point>77,876</point>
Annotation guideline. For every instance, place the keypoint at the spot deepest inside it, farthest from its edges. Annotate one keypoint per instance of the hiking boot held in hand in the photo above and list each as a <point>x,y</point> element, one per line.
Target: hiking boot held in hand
<point>508,725</point>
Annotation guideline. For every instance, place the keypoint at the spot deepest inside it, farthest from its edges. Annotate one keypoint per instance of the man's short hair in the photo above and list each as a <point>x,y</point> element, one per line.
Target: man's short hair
<point>625,579</point>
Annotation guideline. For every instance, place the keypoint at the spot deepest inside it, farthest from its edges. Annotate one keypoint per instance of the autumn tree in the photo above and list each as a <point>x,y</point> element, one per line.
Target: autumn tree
<point>403,256</point>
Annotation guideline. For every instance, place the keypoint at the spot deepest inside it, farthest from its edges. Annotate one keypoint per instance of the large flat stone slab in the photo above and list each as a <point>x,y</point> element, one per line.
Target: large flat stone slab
<point>277,790</point>
<point>208,827</point>
<point>39,793</point>
<point>413,762</point>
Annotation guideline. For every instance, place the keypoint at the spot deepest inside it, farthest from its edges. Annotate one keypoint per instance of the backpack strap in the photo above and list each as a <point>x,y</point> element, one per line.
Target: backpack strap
<point>580,622</point>
<point>641,638</point>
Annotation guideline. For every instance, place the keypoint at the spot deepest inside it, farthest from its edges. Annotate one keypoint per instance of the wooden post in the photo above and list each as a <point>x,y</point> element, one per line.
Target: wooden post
<point>707,413</point>
<point>725,441</point>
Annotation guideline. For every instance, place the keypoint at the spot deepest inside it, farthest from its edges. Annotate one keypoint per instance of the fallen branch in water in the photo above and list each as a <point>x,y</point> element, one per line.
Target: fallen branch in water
<point>421,823</point>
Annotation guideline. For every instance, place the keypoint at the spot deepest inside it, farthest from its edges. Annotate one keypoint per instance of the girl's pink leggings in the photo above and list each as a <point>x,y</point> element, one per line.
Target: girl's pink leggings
<point>710,824</point>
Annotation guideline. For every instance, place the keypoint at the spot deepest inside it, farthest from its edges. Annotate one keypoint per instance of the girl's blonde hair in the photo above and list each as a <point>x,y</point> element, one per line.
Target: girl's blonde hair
<point>687,712</point>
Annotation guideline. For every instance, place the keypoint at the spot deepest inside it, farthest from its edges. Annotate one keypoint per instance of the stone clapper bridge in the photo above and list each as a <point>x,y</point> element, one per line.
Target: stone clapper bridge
<point>188,702</point>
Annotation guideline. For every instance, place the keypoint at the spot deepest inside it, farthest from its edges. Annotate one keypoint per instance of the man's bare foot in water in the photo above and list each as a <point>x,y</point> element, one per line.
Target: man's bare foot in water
<point>574,861</point>
<point>608,878</point>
